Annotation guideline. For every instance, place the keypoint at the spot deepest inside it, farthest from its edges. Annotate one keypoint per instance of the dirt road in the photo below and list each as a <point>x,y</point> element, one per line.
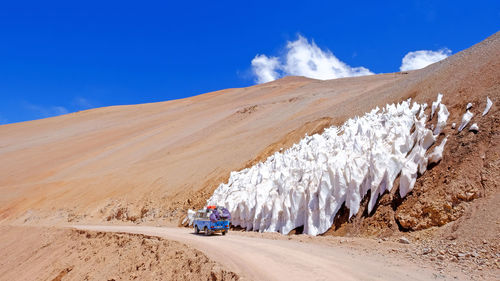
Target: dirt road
<point>267,259</point>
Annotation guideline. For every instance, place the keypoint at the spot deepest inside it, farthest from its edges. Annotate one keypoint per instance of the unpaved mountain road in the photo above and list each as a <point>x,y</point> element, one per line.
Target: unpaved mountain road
<point>267,259</point>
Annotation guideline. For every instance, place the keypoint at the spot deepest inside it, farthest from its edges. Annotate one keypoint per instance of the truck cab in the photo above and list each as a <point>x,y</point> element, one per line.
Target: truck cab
<point>204,223</point>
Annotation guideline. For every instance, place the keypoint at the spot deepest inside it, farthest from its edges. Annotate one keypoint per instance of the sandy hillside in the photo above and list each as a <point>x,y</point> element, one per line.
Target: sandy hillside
<point>156,156</point>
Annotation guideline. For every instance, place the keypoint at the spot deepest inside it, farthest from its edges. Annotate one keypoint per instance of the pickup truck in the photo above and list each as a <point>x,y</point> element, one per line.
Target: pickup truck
<point>205,220</point>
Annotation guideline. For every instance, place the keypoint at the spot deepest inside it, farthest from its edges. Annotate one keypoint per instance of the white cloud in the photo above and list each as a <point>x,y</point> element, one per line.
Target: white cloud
<point>303,59</point>
<point>309,60</point>
<point>47,111</point>
<point>83,103</point>
<point>265,68</point>
<point>422,58</point>
<point>58,110</point>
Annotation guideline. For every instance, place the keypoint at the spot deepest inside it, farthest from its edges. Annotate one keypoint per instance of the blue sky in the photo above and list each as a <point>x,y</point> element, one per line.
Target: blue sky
<point>59,57</point>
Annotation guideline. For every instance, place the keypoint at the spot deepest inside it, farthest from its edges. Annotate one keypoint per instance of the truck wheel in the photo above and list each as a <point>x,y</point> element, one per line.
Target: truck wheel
<point>196,230</point>
<point>224,232</point>
<point>206,231</point>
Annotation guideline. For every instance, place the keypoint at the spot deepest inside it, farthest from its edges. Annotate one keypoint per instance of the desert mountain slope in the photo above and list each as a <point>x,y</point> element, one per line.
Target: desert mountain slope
<point>150,160</point>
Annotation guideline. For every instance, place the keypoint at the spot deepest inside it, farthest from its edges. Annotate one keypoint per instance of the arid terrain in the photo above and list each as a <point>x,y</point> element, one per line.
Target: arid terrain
<point>144,165</point>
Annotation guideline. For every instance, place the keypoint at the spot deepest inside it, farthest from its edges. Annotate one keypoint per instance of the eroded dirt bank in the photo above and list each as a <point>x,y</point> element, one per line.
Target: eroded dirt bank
<point>37,253</point>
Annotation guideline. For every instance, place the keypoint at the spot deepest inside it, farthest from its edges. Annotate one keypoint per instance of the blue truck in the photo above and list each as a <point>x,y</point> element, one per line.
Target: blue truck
<point>211,220</point>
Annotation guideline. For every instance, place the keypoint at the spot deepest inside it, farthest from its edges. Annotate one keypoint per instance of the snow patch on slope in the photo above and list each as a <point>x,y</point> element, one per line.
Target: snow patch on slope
<point>189,219</point>
<point>488,106</point>
<point>474,128</point>
<point>436,104</point>
<point>442,118</point>
<point>437,154</point>
<point>307,184</point>
<point>465,120</point>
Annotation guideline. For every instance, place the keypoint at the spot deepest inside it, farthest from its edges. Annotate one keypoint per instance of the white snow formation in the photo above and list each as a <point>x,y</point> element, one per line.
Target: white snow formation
<point>488,106</point>
<point>436,104</point>
<point>469,105</point>
<point>465,120</point>
<point>437,153</point>
<point>190,217</point>
<point>474,128</point>
<point>453,125</point>
<point>442,118</point>
<point>308,183</point>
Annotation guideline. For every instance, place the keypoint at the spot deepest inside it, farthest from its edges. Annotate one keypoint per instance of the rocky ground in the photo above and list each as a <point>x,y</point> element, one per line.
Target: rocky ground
<point>459,259</point>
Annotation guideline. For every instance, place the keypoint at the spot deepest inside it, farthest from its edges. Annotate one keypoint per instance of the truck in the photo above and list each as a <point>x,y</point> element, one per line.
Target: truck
<point>212,219</point>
